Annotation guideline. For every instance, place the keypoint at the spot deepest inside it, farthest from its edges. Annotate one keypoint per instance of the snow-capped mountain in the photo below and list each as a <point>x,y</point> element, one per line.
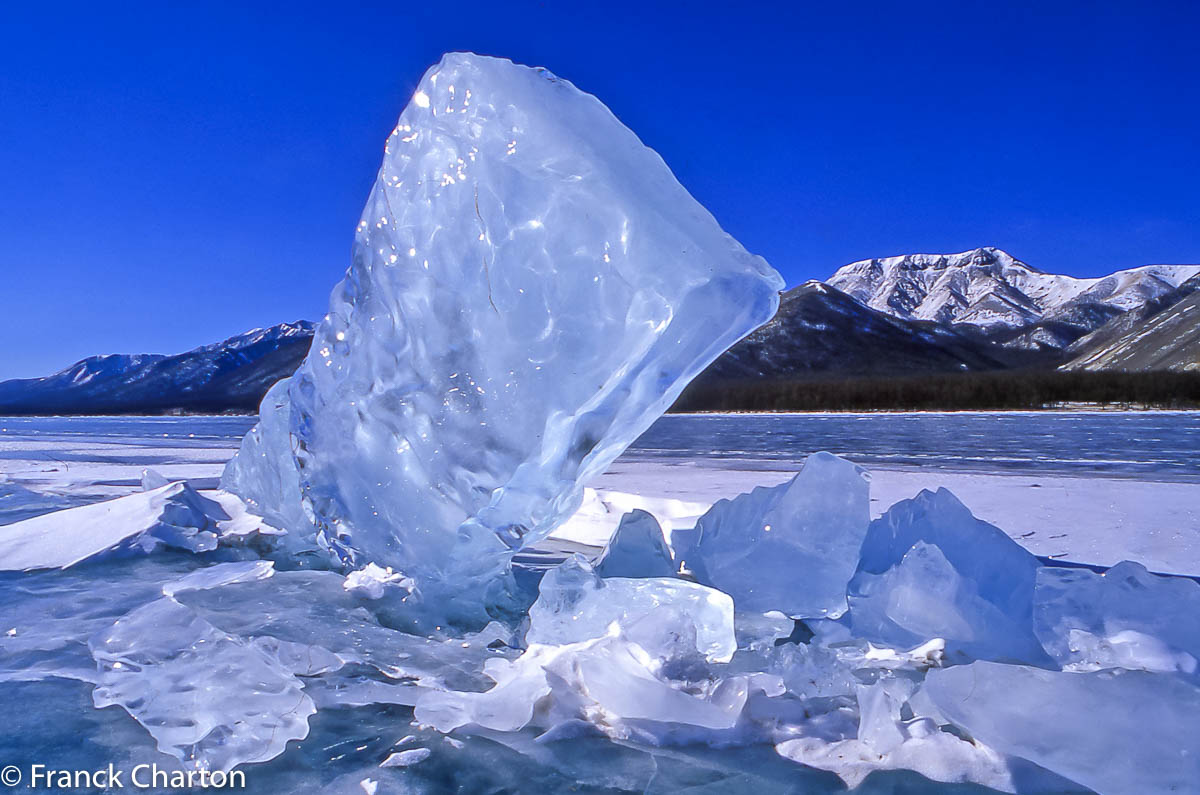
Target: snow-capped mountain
<point>231,375</point>
<point>991,292</point>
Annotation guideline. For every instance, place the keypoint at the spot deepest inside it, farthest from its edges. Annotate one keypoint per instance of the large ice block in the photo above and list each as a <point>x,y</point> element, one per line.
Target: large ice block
<point>1123,618</point>
<point>530,289</point>
<point>930,569</point>
<point>790,548</point>
<point>1116,732</point>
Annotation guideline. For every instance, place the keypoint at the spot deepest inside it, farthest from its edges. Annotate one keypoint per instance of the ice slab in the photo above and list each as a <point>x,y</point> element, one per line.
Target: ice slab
<point>174,515</point>
<point>1123,618</point>
<point>209,698</point>
<point>530,288</point>
<point>637,549</point>
<point>930,569</point>
<point>667,616</point>
<point>791,548</point>
<point>1114,731</point>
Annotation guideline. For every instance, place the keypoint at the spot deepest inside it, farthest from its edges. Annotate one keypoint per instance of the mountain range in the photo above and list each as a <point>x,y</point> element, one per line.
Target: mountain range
<point>229,376</point>
<point>976,311</point>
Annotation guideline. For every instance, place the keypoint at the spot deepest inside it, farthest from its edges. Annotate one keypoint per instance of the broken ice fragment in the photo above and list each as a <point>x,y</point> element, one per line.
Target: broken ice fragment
<point>930,569</point>
<point>1125,617</point>
<point>667,617</point>
<point>637,549</point>
<point>530,289</point>
<point>406,758</point>
<point>790,548</point>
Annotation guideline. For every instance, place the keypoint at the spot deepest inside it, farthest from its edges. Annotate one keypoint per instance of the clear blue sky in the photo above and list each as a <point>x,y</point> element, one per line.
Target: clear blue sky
<point>174,173</point>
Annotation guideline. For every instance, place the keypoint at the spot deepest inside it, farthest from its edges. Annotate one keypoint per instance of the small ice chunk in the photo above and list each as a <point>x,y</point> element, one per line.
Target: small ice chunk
<point>790,548</point>
<point>930,569</point>
<point>151,480</point>
<point>219,575</point>
<point>637,549</point>
<point>372,581</point>
<point>406,758</point>
<point>1125,617</point>
<point>664,615</point>
<point>1118,732</point>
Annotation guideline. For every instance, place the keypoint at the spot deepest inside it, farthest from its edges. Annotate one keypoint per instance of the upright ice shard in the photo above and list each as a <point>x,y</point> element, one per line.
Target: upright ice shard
<point>636,549</point>
<point>530,289</point>
<point>790,548</point>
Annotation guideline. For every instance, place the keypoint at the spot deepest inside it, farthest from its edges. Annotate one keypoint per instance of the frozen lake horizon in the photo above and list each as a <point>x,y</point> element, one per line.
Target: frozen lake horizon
<point>1083,486</point>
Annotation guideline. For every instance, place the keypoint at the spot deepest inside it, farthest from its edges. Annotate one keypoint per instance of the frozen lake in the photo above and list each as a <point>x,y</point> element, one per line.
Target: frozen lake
<point>1085,486</point>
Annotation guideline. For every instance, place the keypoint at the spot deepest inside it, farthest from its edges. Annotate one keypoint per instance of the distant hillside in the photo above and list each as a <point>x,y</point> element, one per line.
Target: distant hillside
<point>1167,340</point>
<point>819,330</point>
<point>229,376</point>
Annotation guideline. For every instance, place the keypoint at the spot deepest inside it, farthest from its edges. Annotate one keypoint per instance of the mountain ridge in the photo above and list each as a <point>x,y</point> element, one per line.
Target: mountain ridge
<point>1034,319</point>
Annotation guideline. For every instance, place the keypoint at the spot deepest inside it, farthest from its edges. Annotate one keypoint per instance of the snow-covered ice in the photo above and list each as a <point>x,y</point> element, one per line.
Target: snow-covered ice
<point>172,515</point>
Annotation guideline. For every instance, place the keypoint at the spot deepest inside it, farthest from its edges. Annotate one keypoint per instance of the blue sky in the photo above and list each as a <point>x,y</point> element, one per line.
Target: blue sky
<point>175,173</point>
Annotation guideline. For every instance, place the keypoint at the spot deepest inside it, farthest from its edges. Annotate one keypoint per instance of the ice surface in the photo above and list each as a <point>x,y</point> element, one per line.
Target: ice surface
<point>1123,618</point>
<point>663,615</point>
<point>530,289</point>
<point>930,569</point>
<point>637,549</point>
<point>791,548</point>
<point>1116,732</point>
<point>173,515</point>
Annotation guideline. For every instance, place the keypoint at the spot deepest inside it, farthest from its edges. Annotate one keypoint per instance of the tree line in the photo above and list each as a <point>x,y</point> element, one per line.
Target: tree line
<point>1031,389</point>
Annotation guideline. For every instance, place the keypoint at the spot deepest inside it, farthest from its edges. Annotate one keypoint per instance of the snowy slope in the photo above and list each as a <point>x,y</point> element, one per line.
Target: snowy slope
<point>992,291</point>
<point>231,375</point>
<point>1167,340</point>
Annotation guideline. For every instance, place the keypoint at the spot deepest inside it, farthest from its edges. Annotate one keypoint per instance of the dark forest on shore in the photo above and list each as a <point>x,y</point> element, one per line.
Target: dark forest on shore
<point>1029,389</point>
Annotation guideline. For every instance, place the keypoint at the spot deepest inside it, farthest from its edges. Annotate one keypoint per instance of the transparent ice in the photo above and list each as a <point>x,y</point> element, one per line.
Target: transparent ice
<point>530,288</point>
<point>1123,618</point>
<point>1116,732</point>
<point>790,548</point>
<point>930,569</point>
<point>636,549</point>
